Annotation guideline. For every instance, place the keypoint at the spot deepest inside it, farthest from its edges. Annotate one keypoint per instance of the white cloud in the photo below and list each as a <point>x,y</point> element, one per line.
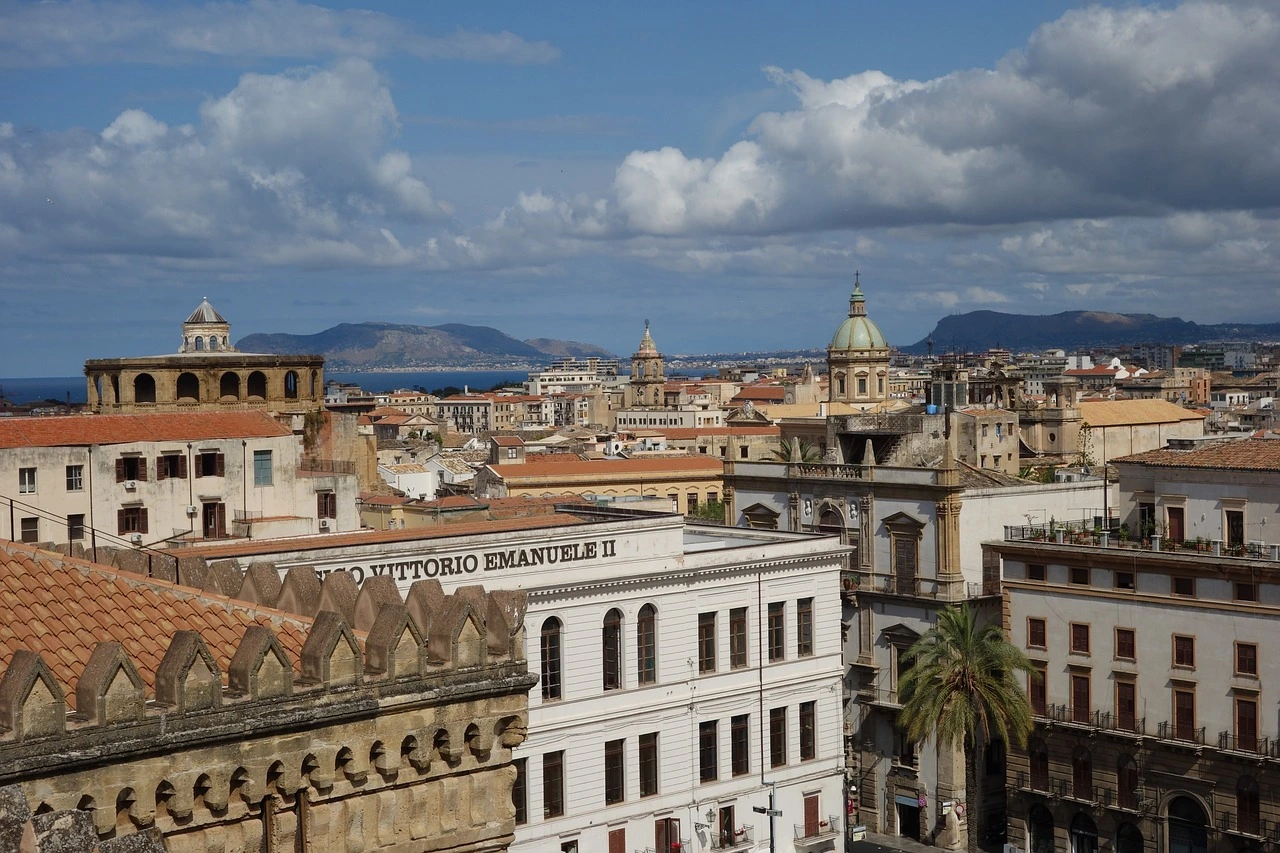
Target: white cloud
<point>91,31</point>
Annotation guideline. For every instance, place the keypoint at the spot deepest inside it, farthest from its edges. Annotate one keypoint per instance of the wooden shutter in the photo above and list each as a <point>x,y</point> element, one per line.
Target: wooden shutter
<point>142,520</point>
<point>120,470</point>
<point>811,815</point>
<point>182,467</point>
<point>618,841</point>
<point>142,468</point>
<point>120,520</point>
<point>200,465</point>
<point>1126,705</point>
<point>222,519</point>
<point>904,563</point>
<point>162,468</point>
<point>220,466</point>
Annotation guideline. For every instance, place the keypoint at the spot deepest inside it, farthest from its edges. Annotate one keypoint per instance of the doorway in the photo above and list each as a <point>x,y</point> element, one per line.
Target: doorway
<point>908,817</point>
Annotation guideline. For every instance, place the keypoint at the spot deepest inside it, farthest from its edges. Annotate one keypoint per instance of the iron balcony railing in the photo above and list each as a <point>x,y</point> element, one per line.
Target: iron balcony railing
<point>1253,744</point>
<point>1246,824</point>
<point>828,826</point>
<point>1182,734</point>
<point>742,838</point>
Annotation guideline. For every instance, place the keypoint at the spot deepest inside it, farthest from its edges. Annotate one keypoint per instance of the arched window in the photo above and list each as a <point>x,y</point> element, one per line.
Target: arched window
<point>1127,782</point>
<point>1247,805</point>
<point>840,384</point>
<point>213,342</point>
<point>1128,839</point>
<point>230,385</point>
<point>611,649</point>
<point>1188,831</point>
<point>257,385</point>
<point>291,385</point>
<point>188,388</point>
<point>144,388</point>
<point>552,663</point>
<point>1084,834</point>
<point>1039,760</point>
<point>646,645</point>
<point>1039,830</point>
<point>199,344</point>
<point>1082,774</point>
<point>314,377</point>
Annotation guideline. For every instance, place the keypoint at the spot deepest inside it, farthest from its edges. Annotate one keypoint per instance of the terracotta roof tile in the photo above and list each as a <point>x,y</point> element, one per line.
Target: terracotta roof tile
<point>1127,412</point>
<point>61,608</point>
<point>82,430</point>
<point>1250,454</point>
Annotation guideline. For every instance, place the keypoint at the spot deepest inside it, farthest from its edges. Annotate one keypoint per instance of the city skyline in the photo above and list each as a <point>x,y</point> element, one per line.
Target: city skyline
<point>722,171</point>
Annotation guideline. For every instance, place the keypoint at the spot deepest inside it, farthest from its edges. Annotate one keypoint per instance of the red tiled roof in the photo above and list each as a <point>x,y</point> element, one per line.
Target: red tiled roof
<point>761,392</point>
<point>507,441</point>
<point>61,608</point>
<point>1250,454</point>
<point>81,430</point>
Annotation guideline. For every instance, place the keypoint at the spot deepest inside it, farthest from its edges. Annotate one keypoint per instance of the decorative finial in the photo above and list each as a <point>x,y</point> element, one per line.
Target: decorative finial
<point>646,324</point>
<point>856,277</point>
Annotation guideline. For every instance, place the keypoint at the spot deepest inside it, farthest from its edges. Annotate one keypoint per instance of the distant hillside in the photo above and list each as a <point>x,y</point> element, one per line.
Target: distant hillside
<point>373,346</point>
<point>980,330</point>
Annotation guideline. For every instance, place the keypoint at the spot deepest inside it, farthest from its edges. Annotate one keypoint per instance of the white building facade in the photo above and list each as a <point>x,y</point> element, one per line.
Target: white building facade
<point>685,673</point>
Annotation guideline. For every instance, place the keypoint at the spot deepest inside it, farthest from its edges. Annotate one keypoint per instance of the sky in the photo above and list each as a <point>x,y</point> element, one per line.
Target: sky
<point>569,169</point>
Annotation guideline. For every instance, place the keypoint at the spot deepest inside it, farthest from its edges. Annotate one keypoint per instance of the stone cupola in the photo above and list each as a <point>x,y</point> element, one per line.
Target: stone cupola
<point>206,331</point>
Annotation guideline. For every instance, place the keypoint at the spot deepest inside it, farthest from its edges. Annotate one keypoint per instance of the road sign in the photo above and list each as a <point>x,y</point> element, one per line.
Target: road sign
<point>769,812</point>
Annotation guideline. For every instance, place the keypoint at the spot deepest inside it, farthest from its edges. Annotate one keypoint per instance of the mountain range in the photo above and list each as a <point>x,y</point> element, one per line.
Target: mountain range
<point>975,331</point>
<point>374,346</point>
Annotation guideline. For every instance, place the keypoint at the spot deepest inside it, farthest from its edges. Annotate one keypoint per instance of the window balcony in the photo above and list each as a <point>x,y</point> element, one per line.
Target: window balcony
<point>1252,745</point>
<point>1249,826</point>
<point>825,828</point>
<point>741,839</point>
<point>1181,734</point>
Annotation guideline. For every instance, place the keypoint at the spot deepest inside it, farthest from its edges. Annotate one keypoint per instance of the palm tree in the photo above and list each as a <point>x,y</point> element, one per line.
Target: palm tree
<point>795,450</point>
<point>963,686</point>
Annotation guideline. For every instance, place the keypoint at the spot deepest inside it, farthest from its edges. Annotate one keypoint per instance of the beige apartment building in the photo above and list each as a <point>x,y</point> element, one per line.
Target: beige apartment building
<point>1156,701</point>
<point>150,479</point>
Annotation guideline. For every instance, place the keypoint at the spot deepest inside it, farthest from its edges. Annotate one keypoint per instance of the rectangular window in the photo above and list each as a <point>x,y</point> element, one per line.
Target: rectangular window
<point>740,744</point>
<point>520,791</point>
<point>1124,580</point>
<point>211,464</point>
<point>1246,659</point>
<point>691,500</point>
<point>1080,698</point>
<point>26,481</point>
<point>777,737</point>
<point>615,777</point>
<point>777,631</point>
<point>804,627</point>
<point>171,466</point>
<point>1037,690</point>
<point>1079,638</point>
<point>1245,591</point>
<point>1127,705</point>
<point>706,642</point>
<point>649,764</point>
<point>549,649</point>
<point>1035,572</point>
<point>262,467</point>
<point>75,527</point>
<point>1235,528</point>
<point>1247,723</point>
<point>742,452</point>
<point>737,638</point>
<point>1184,586</point>
<point>708,736</point>
<point>75,478</point>
<point>808,731</point>
<point>552,785</point>
<point>1126,644</point>
<point>30,530</point>
<point>1184,713</point>
<point>1184,651</point>
<point>646,647</point>
<point>1037,634</point>
<point>1080,575</point>
<point>326,505</point>
<point>131,519</point>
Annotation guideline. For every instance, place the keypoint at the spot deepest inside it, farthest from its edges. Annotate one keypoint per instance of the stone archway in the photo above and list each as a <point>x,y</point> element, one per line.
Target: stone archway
<point>229,386</point>
<point>1039,830</point>
<point>257,385</point>
<point>291,385</point>
<point>188,388</point>
<point>1188,826</point>
<point>144,388</point>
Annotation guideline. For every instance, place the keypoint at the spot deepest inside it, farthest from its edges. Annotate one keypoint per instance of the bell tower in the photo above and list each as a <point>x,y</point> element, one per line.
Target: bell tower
<point>647,377</point>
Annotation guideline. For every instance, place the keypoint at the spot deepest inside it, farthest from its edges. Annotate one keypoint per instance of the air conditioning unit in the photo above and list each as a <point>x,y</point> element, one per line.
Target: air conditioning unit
<point>135,538</point>
<point>324,523</point>
<point>192,509</point>
<point>130,485</point>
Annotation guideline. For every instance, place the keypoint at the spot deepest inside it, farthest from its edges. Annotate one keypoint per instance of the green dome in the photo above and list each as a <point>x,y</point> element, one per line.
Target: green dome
<point>858,332</point>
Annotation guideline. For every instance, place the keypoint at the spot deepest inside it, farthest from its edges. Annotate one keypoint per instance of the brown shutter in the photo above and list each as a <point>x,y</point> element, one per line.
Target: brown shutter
<point>618,841</point>
<point>120,521</point>
<point>120,470</point>
<point>142,520</point>
<point>222,520</point>
<point>142,468</point>
<point>162,468</point>
<point>182,467</point>
<point>220,466</point>
<point>199,464</point>
<point>811,815</point>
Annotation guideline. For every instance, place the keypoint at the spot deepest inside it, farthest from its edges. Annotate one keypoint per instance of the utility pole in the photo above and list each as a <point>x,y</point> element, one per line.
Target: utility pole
<point>773,812</point>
